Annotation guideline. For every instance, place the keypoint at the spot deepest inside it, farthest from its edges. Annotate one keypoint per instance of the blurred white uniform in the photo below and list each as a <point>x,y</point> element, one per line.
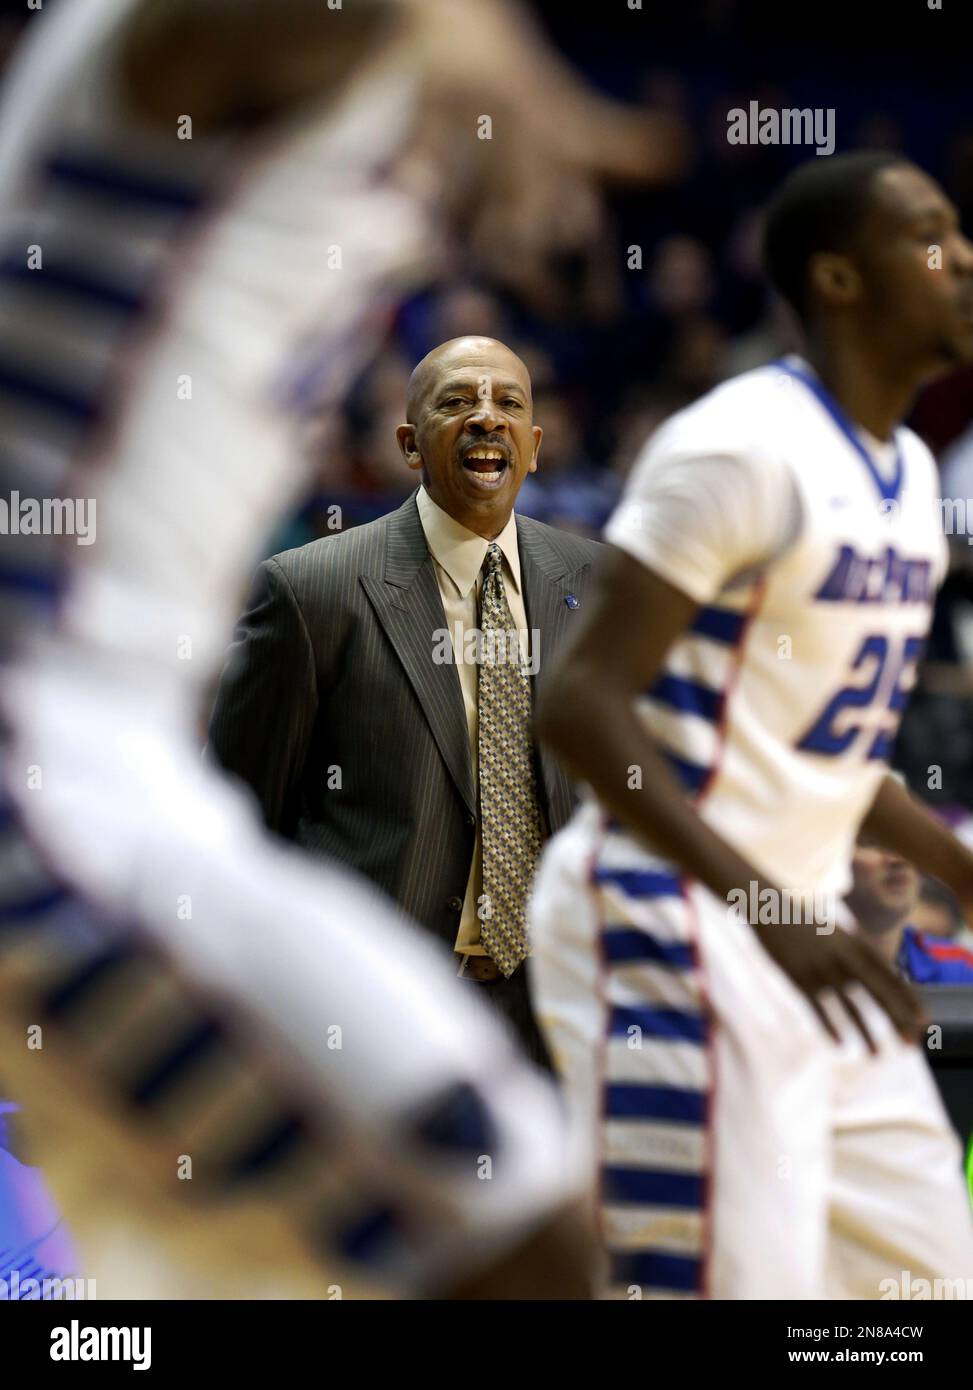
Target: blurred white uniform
<point>740,1153</point>
<point>172,314</point>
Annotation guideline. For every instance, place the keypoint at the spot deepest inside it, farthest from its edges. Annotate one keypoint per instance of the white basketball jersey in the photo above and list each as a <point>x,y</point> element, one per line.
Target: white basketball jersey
<point>779,707</point>
<point>176,310</point>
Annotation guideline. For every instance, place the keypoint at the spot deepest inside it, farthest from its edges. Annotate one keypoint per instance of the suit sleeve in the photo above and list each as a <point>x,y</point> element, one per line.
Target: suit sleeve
<point>266,702</point>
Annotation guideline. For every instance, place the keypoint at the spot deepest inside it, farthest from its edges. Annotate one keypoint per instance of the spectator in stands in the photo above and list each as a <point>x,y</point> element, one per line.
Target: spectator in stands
<point>885,900</point>
<point>937,913</point>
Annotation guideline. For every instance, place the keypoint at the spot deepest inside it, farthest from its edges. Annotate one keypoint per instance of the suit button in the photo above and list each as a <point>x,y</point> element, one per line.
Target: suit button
<point>454,904</point>
<point>470,820</point>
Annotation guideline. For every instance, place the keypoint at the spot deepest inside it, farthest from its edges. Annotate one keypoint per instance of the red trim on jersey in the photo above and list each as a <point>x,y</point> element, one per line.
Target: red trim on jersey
<point>601,1063</point>
<point>712,1023</point>
<point>709,1203</point>
<point>601,1066</point>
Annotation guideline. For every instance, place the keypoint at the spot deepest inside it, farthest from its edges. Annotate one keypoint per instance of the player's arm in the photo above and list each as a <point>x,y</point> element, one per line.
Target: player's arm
<point>586,713</point>
<point>300,1151</point>
<point>266,703</point>
<point>225,61</point>
<point>222,61</point>
<point>899,821</point>
<point>229,63</point>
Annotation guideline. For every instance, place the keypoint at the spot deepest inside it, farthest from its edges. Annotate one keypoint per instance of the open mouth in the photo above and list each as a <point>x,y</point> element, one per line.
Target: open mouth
<point>485,464</point>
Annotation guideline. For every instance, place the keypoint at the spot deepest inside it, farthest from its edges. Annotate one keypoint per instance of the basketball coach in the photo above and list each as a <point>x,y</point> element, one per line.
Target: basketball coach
<point>377,695</point>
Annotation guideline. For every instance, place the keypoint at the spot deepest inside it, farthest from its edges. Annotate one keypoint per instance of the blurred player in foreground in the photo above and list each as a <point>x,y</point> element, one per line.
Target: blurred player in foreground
<point>206,210</point>
<point>766,1125</point>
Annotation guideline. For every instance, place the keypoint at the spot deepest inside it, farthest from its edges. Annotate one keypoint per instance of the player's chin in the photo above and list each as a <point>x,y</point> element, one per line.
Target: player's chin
<point>952,351</point>
<point>960,336</point>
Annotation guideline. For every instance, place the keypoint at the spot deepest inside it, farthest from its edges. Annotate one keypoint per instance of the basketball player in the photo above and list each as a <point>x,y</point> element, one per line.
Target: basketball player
<point>203,222</point>
<point>761,1118</point>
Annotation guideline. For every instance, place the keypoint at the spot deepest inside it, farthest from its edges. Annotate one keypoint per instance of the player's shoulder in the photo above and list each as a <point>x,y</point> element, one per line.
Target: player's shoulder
<point>747,420</point>
<point>736,416</point>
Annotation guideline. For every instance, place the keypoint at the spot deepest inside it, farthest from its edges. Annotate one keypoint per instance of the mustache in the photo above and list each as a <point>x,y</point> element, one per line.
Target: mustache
<point>483,442</point>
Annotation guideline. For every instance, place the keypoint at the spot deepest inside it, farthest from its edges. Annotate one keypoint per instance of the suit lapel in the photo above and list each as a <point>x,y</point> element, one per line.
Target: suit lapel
<point>408,605</point>
<point>547,615</point>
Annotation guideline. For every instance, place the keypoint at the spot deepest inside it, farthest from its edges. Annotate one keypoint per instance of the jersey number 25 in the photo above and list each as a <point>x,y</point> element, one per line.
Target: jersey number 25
<point>830,734</point>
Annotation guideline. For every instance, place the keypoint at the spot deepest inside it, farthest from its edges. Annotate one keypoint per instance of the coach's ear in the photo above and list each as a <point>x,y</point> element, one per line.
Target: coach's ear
<point>405,436</point>
<point>538,436</point>
<point>834,279</point>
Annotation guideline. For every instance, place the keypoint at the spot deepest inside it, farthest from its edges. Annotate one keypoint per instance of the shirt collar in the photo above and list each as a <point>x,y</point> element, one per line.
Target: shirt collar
<point>461,552</point>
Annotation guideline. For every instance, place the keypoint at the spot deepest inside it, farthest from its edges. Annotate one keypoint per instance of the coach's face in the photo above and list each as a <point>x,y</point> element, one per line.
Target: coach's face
<point>470,431</point>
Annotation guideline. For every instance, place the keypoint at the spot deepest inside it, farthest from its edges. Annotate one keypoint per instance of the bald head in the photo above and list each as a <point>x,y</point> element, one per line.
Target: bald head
<point>470,430</point>
<point>486,356</point>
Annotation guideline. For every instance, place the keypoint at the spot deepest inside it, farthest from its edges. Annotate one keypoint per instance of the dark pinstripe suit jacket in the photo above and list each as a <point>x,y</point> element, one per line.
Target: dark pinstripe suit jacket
<point>331,708</point>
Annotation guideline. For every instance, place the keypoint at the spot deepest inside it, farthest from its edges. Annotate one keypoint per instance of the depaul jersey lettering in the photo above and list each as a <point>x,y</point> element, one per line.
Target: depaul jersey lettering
<point>778,708</point>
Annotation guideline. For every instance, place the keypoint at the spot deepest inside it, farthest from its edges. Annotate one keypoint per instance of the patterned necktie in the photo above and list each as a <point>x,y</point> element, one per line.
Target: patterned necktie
<point>509,817</point>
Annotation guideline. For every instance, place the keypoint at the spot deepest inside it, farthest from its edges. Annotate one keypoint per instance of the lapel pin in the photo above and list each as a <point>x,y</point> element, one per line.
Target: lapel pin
<point>571,601</point>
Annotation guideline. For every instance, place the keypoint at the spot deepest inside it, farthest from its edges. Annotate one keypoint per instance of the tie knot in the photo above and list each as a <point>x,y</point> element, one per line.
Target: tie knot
<point>494,558</point>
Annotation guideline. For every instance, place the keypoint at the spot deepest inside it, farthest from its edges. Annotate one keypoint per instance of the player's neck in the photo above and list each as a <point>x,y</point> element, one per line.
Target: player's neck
<point>872,394</point>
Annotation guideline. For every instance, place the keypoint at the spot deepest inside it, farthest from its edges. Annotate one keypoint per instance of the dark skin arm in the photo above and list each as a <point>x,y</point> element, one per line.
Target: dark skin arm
<point>243,61</point>
<point>898,821</point>
<point>535,190</point>
<point>585,713</point>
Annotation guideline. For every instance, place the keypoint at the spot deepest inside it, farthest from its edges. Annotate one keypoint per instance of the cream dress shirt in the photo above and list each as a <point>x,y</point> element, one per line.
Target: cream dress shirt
<point>458,556</point>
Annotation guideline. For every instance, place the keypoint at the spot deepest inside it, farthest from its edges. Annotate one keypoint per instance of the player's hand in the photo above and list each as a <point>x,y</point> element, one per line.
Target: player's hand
<point>532,190</point>
<point>817,963</point>
<point>493,56</point>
